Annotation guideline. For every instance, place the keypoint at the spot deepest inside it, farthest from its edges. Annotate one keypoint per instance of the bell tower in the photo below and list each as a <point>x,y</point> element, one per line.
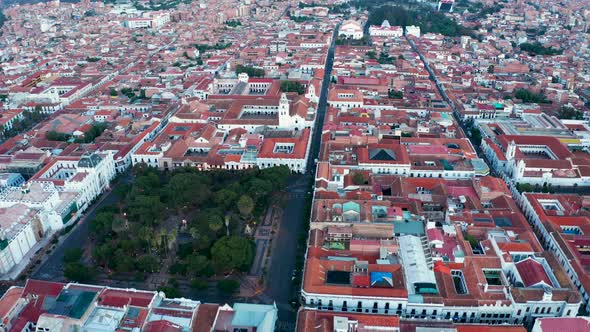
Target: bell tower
<point>511,150</point>
<point>284,118</point>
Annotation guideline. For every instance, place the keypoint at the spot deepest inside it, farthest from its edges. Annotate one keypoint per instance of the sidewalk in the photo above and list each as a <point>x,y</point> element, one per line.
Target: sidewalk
<point>264,249</point>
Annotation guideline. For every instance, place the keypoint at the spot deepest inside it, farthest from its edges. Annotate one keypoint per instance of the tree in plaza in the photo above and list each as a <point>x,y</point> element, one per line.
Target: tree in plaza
<point>292,86</point>
<point>245,205</point>
<point>277,176</point>
<point>225,198</point>
<point>187,189</point>
<point>147,263</point>
<point>228,286</point>
<point>146,209</point>
<point>259,187</point>
<point>119,225</point>
<point>72,255</point>
<point>197,264</point>
<point>78,272</point>
<point>162,239</point>
<point>215,223</point>
<point>102,223</point>
<point>73,269</point>
<point>232,252</point>
<point>123,262</point>
<point>171,239</point>
<point>103,254</point>
<point>145,234</point>
<point>148,183</point>
<point>203,241</point>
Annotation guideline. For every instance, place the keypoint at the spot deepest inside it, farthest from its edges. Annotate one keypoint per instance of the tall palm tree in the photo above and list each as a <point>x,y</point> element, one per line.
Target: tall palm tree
<point>171,238</point>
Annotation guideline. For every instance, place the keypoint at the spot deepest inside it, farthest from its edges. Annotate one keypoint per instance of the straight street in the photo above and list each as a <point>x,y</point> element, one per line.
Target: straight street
<point>284,254</point>
<point>52,267</point>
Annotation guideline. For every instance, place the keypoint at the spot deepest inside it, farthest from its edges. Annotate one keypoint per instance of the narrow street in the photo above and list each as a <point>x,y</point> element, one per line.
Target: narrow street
<point>439,87</point>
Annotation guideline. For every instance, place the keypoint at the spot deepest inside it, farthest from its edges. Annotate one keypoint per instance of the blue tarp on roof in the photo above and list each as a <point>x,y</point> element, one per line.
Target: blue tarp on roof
<point>381,279</point>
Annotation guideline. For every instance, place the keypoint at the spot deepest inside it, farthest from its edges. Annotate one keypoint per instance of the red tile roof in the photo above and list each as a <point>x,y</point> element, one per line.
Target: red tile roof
<point>205,317</point>
<point>40,287</point>
<point>569,324</point>
<point>532,272</point>
<point>161,326</point>
<point>485,328</point>
<point>120,298</point>
<point>9,299</point>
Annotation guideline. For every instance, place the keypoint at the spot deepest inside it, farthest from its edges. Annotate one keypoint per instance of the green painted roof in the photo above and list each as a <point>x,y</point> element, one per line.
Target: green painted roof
<point>447,166</point>
<point>351,206</point>
<point>410,227</point>
<point>72,303</point>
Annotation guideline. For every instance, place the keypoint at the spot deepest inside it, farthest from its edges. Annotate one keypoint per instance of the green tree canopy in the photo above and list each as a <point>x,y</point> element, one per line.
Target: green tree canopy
<point>197,264</point>
<point>232,252</point>
<point>245,205</point>
<point>529,97</point>
<point>147,263</point>
<point>215,223</point>
<point>251,71</point>
<point>187,189</point>
<point>393,94</point>
<point>228,286</point>
<point>72,255</point>
<point>78,272</point>
<point>538,48</point>
<point>292,86</point>
<point>146,209</point>
<point>424,17</point>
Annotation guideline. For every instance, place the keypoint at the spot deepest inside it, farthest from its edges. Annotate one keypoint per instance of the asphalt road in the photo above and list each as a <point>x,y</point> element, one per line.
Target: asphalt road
<point>283,258</point>
<point>52,268</point>
<point>314,150</point>
<point>282,261</point>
